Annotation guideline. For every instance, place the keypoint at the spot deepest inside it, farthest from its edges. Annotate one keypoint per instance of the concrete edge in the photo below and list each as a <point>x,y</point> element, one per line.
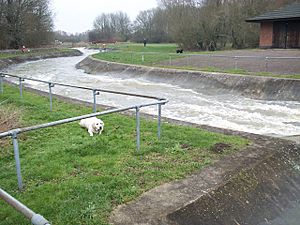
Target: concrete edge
<point>264,88</point>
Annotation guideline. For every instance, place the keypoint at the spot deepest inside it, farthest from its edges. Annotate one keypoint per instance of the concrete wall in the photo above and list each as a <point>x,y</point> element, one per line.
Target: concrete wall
<point>266,35</point>
<point>266,88</point>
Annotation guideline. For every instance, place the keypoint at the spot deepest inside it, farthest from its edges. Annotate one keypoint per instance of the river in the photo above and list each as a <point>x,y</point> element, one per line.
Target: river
<point>224,110</point>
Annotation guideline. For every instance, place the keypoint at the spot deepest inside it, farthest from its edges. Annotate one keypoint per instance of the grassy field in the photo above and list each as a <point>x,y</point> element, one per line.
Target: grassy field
<point>164,55</point>
<point>33,52</point>
<point>136,53</point>
<point>72,178</point>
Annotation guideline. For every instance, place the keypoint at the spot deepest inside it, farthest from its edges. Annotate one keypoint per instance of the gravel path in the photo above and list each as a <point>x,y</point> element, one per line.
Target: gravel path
<point>249,60</point>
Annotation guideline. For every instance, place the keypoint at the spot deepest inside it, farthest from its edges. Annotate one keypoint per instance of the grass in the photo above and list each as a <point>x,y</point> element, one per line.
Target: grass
<point>139,47</point>
<point>134,53</point>
<point>72,178</point>
<point>160,54</point>
<point>33,52</point>
<point>237,71</point>
<point>134,57</point>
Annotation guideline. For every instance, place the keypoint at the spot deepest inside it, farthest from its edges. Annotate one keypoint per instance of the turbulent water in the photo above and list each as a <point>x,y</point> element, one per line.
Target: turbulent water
<point>274,118</point>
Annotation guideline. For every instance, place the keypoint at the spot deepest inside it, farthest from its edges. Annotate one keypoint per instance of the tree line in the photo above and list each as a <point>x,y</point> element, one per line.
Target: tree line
<point>25,22</point>
<point>192,24</point>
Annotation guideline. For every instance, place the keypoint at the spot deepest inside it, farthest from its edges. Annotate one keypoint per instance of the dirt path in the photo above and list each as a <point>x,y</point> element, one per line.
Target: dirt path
<point>249,60</point>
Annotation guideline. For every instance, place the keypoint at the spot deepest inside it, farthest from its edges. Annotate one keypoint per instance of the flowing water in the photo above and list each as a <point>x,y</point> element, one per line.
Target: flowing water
<point>274,118</point>
<point>225,110</point>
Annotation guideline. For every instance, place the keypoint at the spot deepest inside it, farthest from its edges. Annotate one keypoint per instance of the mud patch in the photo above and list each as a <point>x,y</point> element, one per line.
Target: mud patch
<point>10,118</point>
<point>219,148</point>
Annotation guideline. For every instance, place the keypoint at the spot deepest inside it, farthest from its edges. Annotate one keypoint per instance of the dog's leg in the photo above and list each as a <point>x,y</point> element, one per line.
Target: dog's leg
<point>90,130</point>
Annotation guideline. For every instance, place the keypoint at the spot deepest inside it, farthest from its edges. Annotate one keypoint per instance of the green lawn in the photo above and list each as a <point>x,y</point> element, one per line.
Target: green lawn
<point>136,53</point>
<point>72,178</point>
<point>139,47</point>
<point>33,52</point>
<point>162,55</point>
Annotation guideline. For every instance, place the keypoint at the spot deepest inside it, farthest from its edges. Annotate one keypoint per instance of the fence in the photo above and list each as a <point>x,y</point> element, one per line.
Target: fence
<point>35,219</point>
<point>276,64</point>
<point>15,132</point>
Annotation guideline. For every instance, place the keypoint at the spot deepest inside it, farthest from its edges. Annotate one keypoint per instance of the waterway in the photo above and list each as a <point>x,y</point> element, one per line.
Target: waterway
<point>212,107</point>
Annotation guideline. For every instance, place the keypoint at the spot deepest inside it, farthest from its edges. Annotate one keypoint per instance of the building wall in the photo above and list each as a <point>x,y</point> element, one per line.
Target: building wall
<point>266,35</point>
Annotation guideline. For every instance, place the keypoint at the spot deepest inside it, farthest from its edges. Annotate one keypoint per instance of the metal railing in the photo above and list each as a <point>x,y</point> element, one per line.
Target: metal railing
<point>15,132</point>
<point>36,219</point>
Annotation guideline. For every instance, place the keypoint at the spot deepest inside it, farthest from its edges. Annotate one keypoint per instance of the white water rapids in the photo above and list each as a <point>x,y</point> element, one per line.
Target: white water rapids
<point>274,118</point>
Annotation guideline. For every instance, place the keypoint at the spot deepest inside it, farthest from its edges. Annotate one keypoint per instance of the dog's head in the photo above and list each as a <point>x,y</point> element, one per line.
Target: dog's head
<point>98,125</point>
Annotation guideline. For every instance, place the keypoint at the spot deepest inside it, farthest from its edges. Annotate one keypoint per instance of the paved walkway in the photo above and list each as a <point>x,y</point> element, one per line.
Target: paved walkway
<point>249,60</point>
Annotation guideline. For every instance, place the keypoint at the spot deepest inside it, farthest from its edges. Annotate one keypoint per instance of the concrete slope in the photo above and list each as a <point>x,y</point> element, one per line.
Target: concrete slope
<point>266,88</point>
<point>251,187</point>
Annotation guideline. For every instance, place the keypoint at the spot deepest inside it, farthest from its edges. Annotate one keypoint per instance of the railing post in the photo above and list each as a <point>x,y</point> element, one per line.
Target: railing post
<point>1,83</point>
<point>266,63</point>
<point>159,121</point>
<point>50,94</point>
<point>21,87</point>
<point>95,93</point>
<point>235,62</point>
<point>17,159</point>
<point>138,136</point>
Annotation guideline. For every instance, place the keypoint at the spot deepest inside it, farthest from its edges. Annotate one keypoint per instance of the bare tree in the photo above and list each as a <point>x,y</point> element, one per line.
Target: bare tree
<point>112,26</point>
<point>25,22</point>
<point>211,24</point>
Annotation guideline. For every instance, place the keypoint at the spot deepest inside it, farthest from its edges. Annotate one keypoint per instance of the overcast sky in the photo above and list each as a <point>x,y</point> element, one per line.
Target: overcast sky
<point>78,16</point>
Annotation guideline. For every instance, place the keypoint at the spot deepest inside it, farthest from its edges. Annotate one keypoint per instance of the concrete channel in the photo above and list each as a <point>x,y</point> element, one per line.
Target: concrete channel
<point>259,185</point>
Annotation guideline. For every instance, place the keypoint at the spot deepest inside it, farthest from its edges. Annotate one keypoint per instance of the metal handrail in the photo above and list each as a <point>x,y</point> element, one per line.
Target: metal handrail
<point>72,119</point>
<point>216,55</point>
<point>80,87</point>
<point>36,219</point>
<point>14,133</point>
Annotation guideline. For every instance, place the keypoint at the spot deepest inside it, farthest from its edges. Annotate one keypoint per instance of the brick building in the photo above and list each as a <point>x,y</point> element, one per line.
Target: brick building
<point>279,28</point>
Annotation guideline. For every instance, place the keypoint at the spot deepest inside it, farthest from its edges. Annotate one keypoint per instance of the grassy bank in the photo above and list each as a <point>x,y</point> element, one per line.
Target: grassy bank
<point>72,178</point>
<point>164,55</point>
<point>134,53</point>
<point>33,52</point>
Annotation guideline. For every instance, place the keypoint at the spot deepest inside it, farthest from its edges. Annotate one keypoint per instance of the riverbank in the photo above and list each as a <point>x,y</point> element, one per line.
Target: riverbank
<point>209,190</point>
<point>71,178</point>
<point>255,186</point>
<point>8,58</point>
<point>265,88</point>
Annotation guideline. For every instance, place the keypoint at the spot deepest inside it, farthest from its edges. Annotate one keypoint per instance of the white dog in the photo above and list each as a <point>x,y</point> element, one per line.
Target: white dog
<point>93,125</point>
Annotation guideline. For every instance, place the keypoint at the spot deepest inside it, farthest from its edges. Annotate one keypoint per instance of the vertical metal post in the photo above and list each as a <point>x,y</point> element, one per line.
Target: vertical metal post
<point>138,136</point>
<point>95,93</point>
<point>187,61</point>
<point>170,60</point>
<point>159,121</point>
<point>50,94</point>
<point>266,63</point>
<point>1,83</point>
<point>20,86</point>
<point>235,62</point>
<point>17,159</point>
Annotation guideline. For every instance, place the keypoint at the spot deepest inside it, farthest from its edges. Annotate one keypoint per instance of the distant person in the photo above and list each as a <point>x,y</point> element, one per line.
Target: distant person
<point>23,49</point>
<point>145,42</point>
